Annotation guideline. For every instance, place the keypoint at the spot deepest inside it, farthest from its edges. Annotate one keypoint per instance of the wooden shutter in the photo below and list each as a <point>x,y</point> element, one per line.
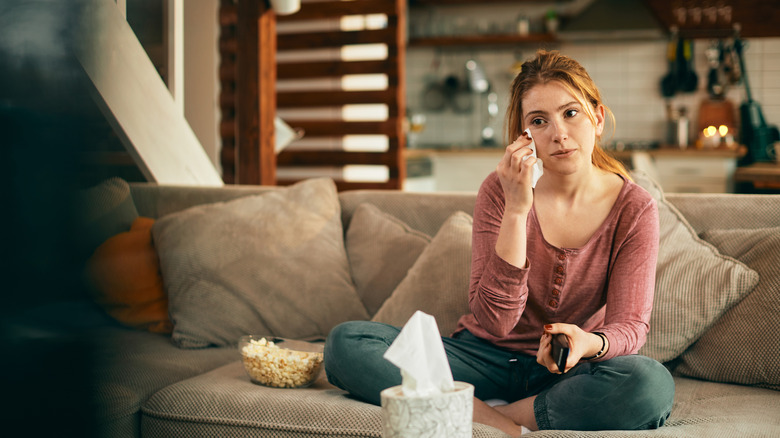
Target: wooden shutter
<point>314,95</point>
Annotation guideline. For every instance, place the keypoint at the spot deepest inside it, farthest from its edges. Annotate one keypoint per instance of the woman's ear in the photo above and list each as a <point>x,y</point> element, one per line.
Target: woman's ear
<point>600,118</point>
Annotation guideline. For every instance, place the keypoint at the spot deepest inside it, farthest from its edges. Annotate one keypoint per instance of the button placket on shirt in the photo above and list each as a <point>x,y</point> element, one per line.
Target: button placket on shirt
<point>560,272</point>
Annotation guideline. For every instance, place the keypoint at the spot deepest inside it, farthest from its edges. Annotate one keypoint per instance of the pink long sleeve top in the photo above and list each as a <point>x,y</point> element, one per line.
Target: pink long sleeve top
<point>607,285</point>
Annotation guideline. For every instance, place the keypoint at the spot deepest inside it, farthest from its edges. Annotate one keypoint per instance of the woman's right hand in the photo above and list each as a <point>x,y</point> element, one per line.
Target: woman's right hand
<point>516,174</point>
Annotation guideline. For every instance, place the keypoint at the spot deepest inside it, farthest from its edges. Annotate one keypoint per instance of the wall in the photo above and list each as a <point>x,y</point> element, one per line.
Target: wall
<point>628,74</point>
<point>201,81</point>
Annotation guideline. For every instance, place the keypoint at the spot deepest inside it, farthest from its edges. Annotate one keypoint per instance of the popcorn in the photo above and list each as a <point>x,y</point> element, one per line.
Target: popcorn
<point>271,365</point>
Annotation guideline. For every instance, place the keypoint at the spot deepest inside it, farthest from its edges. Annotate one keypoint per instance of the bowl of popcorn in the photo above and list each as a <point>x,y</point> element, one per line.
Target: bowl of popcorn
<point>280,363</point>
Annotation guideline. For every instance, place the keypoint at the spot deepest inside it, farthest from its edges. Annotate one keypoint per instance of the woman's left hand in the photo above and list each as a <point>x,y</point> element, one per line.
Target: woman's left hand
<point>581,344</point>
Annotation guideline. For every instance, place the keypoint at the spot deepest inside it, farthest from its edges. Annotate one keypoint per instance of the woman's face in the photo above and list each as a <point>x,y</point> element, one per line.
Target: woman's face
<point>560,126</point>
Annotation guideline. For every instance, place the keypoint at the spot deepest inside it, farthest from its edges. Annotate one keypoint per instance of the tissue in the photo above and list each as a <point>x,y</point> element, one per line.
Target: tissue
<point>419,352</point>
<point>538,169</point>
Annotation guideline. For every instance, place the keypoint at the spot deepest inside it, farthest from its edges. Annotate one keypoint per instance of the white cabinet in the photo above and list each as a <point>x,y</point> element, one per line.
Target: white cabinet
<point>696,175</point>
<point>455,170</point>
<point>689,171</point>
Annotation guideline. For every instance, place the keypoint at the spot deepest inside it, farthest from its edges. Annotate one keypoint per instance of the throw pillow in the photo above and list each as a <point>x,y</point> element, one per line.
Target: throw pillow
<point>743,345</point>
<point>694,283</point>
<point>124,273</point>
<point>381,249</point>
<point>102,211</point>
<point>438,282</point>
<point>272,264</point>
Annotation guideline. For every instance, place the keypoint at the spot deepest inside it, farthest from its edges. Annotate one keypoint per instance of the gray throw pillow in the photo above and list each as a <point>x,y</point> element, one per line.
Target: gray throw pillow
<point>438,282</point>
<point>694,283</point>
<point>743,346</point>
<point>381,248</point>
<point>103,211</point>
<point>272,264</point>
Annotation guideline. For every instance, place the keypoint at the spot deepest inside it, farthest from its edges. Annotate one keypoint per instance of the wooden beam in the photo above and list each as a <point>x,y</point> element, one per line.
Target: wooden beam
<point>336,39</point>
<point>303,99</point>
<point>256,91</point>
<point>331,9</point>
<point>302,70</point>
<point>329,128</point>
<point>335,158</point>
<point>135,100</point>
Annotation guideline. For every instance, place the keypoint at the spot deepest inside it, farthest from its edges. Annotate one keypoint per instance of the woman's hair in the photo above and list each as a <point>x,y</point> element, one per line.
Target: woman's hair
<point>549,66</point>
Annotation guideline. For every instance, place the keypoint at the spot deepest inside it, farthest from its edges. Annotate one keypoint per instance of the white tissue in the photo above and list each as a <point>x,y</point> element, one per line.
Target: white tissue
<point>538,167</point>
<point>419,352</point>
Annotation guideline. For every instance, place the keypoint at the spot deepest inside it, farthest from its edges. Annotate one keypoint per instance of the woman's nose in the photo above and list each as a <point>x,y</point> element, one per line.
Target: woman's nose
<point>559,132</point>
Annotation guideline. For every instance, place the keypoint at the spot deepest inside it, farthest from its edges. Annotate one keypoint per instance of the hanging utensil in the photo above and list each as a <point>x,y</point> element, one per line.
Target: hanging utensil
<point>434,96</point>
<point>715,88</point>
<point>669,81</point>
<point>689,80</point>
<point>755,133</point>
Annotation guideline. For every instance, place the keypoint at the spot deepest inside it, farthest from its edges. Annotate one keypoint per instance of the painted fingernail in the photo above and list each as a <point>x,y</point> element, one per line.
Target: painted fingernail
<point>548,327</point>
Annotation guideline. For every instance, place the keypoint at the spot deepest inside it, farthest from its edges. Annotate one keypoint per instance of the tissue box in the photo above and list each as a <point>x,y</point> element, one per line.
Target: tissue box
<point>444,415</point>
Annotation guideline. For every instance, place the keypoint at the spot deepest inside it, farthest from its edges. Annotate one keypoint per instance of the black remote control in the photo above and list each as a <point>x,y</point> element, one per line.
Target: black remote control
<point>560,350</point>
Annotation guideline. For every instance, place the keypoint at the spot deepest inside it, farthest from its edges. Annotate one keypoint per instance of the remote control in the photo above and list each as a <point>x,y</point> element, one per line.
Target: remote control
<point>560,350</point>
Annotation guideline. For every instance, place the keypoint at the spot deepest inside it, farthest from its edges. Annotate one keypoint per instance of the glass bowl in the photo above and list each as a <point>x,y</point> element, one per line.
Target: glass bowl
<point>278,362</point>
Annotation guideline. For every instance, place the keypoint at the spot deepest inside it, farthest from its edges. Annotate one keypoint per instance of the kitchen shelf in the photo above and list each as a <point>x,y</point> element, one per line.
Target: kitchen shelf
<point>471,2</point>
<point>480,40</point>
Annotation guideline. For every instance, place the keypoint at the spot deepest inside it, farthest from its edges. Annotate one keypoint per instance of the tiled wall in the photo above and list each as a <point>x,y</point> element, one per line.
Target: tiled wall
<point>628,74</point>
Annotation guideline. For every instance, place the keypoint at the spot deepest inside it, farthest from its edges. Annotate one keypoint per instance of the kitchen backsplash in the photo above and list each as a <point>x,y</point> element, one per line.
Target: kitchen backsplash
<point>627,73</point>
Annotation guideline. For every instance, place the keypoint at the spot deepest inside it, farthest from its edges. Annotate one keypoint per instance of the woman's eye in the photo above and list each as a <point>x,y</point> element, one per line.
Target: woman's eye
<point>537,121</point>
<point>571,113</point>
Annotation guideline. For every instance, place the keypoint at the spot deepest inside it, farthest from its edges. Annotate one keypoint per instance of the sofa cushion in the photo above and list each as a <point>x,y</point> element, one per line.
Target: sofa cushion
<point>438,282</point>
<point>224,403</point>
<point>131,365</point>
<point>272,264</point>
<point>102,211</point>
<point>381,249</point>
<point>124,275</point>
<point>743,346</point>
<point>694,284</point>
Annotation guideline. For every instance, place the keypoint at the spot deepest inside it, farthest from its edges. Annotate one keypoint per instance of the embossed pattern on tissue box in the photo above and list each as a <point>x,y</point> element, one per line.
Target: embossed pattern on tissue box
<point>446,415</point>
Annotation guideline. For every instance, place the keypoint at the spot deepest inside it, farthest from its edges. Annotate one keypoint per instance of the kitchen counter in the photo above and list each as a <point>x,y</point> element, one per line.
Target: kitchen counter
<point>678,170</point>
<point>762,176</point>
<point>624,154</point>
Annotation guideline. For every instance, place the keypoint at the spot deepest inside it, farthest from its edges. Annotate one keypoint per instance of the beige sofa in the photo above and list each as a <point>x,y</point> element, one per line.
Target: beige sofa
<point>716,321</point>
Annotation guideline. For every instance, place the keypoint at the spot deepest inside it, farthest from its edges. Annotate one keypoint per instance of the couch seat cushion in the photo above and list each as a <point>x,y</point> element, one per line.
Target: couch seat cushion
<point>224,402</point>
<point>131,365</point>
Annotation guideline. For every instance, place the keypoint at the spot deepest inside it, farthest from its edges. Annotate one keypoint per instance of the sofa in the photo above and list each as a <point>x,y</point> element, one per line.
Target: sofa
<point>293,262</point>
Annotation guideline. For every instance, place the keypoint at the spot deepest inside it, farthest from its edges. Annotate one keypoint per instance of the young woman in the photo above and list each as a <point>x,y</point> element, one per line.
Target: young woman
<point>574,258</point>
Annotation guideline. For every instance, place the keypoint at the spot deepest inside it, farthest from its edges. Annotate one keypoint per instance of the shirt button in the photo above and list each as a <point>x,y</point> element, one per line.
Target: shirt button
<point>553,303</point>
<point>559,269</point>
<point>561,256</point>
<point>556,292</point>
<point>558,281</point>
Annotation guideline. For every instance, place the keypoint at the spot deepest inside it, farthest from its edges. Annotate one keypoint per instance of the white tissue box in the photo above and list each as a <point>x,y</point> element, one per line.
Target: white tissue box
<point>444,415</point>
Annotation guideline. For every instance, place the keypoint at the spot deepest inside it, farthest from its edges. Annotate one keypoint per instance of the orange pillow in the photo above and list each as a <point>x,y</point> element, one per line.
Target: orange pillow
<point>127,284</point>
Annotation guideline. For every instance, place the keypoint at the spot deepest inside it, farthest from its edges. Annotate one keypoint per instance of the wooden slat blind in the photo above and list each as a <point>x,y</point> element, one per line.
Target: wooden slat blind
<point>308,85</point>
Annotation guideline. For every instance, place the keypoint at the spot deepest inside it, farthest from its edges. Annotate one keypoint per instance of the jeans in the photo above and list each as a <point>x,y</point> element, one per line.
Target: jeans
<point>625,392</point>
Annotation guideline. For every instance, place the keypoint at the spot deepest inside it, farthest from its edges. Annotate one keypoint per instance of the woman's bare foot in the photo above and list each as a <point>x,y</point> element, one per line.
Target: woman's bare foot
<point>484,414</point>
<point>520,412</point>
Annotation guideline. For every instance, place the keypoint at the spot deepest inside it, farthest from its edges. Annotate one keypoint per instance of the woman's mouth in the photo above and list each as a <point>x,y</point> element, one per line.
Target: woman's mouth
<point>563,153</point>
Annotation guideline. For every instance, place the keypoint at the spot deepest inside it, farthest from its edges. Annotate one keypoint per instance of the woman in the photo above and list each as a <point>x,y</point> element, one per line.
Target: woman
<point>573,257</point>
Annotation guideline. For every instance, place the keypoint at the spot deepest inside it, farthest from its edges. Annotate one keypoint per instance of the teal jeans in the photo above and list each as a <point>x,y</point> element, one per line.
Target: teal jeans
<point>626,392</point>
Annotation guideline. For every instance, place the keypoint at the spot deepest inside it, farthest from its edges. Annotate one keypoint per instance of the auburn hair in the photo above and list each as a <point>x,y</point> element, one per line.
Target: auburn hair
<point>549,66</point>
